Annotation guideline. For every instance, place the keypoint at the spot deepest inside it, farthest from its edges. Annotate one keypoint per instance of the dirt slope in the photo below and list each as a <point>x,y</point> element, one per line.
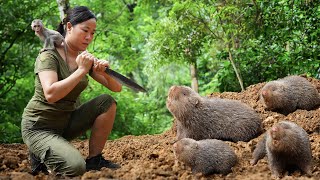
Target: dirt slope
<point>151,156</point>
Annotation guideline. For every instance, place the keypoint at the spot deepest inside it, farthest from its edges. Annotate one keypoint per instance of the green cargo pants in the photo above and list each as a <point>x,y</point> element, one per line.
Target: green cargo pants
<point>54,149</point>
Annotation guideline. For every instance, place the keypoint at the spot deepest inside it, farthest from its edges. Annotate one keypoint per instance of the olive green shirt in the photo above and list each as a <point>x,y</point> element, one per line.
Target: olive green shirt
<point>52,116</point>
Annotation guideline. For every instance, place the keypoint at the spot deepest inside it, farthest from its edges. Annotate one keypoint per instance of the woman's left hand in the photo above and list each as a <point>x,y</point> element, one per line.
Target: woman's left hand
<point>100,66</point>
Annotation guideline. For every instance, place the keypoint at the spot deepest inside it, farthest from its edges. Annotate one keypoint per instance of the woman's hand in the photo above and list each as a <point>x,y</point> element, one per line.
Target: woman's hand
<point>85,61</point>
<point>103,78</point>
<point>100,66</point>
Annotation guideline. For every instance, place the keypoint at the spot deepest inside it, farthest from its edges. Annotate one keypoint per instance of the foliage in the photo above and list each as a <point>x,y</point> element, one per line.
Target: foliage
<point>10,133</point>
<point>267,39</point>
<point>19,46</point>
<point>281,41</point>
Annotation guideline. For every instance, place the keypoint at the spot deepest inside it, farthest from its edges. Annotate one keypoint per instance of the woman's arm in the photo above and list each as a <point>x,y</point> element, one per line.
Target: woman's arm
<point>103,78</point>
<point>55,90</point>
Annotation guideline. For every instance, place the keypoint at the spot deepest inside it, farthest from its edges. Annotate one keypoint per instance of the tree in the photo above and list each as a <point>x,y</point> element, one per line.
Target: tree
<point>64,7</point>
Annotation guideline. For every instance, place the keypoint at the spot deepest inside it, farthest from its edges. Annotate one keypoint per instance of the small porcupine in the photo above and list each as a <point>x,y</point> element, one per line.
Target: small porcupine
<point>287,147</point>
<point>211,118</point>
<point>207,156</point>
<point>288,94</point>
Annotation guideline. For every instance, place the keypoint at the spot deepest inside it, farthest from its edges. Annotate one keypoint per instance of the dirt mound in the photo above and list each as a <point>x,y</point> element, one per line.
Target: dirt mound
<point>151,156</point>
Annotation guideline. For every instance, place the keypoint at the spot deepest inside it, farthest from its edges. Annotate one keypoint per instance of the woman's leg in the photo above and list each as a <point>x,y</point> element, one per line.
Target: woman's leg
<point>100,131</point>
<point>86,115</point>
<point>63,158</point>
<point>54,151</point>
<point>97,114</point>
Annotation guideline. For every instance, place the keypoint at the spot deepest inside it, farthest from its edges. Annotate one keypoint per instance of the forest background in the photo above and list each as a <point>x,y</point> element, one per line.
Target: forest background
<point>210,45</point>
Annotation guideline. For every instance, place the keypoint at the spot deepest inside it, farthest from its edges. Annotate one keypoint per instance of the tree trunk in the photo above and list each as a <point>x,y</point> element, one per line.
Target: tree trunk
<point>63,6</point>
<point>235,69</point>
<point>194,80</point>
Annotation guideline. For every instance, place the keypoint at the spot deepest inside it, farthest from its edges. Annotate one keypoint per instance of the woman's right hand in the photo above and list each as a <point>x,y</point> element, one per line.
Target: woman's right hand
<point>85,61</point>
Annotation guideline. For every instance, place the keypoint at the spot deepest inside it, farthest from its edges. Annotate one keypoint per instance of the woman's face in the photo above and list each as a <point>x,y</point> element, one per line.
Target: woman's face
<point>79,36</point>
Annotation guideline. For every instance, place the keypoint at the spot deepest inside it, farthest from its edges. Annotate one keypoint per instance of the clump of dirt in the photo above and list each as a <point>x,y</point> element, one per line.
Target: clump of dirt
<point>151,156</point>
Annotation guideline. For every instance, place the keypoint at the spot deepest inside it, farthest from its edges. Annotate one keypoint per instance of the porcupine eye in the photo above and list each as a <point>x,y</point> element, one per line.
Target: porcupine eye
<point>184,93</point>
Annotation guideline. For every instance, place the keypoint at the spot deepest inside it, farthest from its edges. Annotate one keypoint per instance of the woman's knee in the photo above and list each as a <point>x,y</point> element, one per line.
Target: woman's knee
<point>106,97</point>
<point>69,163</point>
<point>107,102</point>
<point>75,166</point>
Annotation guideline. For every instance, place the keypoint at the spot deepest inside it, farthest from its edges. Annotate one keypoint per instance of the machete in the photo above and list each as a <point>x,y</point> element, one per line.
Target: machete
<point>124,80</point>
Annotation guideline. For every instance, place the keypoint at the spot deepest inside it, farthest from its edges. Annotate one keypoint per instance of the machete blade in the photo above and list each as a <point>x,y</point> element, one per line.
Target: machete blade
<point>124,80</point>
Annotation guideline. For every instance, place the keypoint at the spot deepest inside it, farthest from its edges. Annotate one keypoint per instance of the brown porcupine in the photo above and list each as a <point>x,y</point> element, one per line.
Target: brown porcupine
<point>287,147</point>
<point>207,156</point>
<point>288,94</point>
<point>211,118</point>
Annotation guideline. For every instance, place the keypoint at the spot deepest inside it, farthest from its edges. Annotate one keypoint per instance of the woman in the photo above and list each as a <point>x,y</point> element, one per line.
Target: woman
<point>52,118</point>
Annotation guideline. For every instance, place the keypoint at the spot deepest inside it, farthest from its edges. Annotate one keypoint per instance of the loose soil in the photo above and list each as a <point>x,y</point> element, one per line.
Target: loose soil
<point>151,156</point>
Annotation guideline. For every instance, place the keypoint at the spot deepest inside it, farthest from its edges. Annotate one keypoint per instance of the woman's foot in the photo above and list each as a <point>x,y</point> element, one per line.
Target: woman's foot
<point>98,162</point>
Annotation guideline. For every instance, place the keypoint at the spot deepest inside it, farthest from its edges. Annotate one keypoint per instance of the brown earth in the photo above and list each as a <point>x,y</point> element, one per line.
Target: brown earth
<point>151,156</point>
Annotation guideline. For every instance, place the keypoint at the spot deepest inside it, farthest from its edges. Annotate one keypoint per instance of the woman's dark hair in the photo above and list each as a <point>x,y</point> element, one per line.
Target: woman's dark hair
<point>75,16</point>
